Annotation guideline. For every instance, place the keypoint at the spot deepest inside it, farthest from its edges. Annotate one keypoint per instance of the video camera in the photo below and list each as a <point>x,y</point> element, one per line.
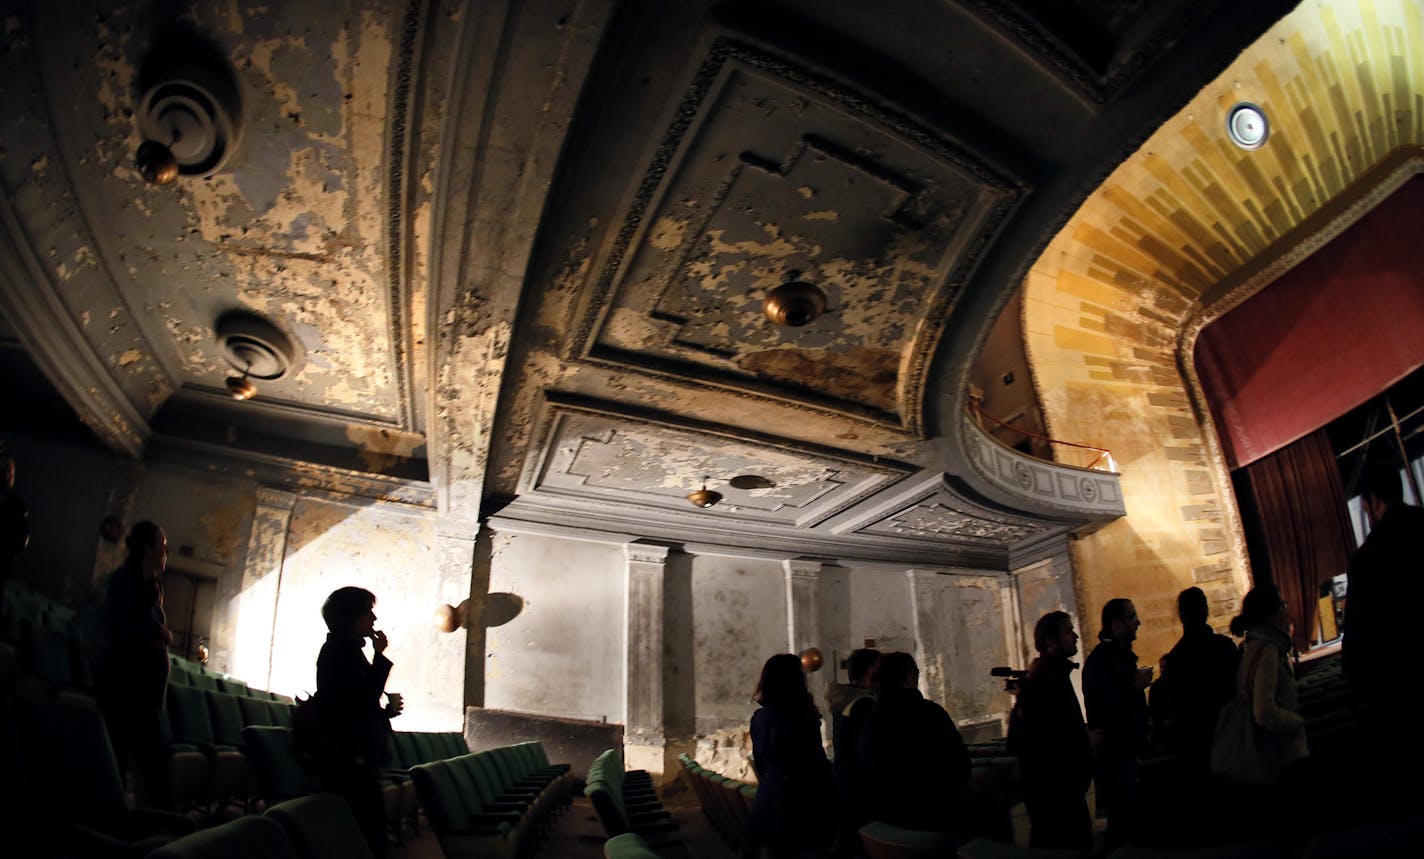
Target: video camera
<point>1012,677</point>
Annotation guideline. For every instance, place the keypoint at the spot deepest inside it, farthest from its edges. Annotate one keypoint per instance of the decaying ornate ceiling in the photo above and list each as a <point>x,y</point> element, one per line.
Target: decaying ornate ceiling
<point>523,247</point>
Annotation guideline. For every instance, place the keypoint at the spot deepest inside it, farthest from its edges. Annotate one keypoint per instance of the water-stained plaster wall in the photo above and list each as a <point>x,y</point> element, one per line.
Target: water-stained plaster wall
<point>389,550</point>
<point>206,520</point>
<point>564,654</point>
<point>859,603</point>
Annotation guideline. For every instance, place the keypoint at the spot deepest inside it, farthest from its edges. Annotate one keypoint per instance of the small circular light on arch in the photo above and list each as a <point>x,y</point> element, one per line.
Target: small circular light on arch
<point>1247,126</point>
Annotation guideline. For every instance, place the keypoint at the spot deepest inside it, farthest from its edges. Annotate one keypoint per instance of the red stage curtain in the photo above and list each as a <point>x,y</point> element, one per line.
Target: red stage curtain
<point>1326,336</point>
<point>1302,523</point>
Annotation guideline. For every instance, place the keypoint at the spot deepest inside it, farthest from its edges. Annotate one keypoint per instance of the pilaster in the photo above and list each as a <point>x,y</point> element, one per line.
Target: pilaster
<point>644,731</point>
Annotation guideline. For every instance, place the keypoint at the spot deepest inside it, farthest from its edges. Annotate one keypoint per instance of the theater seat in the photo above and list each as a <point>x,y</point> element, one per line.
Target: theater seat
<point>244,838</point>
<point>883,841</point>
<point>983,848</point>
<point>630,845</point>
<point>321,826</point>
<point>1402,838</point>
<point>76,787</point>
<point>270,753</point>
<point>1253,850</point>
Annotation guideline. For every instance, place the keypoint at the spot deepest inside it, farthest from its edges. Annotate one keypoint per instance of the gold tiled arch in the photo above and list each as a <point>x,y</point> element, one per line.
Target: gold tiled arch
<point>1166,239</point>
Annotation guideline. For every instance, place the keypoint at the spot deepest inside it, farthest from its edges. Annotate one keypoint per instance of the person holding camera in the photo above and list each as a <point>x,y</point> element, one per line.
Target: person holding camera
<point>356,726</point>
<point>1114,690</point>
<point>1054,746</point>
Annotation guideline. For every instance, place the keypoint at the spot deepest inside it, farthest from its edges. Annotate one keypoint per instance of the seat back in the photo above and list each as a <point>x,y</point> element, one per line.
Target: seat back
<point>609,808</point>
<point>440,798</point>
<point>321,826</point>
<point>73,775</point>
<point>405,749</point>
<point>883,841</point>
<point>255,711</point>
<point>226,716</point>
<point>243,838</point>
<point>273,760</point>
<point>627,846</point>
<point>188,716</point>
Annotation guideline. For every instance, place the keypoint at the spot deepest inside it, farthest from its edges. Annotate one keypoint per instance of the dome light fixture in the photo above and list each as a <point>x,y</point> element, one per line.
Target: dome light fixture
<point>704,497</point>
<point>795,303</point>
<point>1247,126</point>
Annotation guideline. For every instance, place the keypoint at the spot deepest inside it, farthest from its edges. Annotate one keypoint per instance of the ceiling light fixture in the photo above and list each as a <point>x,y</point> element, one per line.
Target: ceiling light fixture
<point>704,497</point>
<point>188,97</point>
<point>1247,126</point>
<point>241,387</point>
<point>795,303</point>
<point>254,347</point>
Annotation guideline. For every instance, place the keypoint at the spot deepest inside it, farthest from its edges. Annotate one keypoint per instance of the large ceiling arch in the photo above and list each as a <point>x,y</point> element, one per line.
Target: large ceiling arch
<point>1184,222</point>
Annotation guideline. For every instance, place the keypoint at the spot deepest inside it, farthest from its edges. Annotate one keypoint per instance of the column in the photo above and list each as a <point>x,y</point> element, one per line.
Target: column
<point>930,644</point>
<point>644,740</point>
<point>252,611</point>
<point>455,563</point>
<point>803,624</point>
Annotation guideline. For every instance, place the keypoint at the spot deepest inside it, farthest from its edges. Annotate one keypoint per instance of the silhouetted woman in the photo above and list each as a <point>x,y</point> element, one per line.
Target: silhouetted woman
<point>1266,669</point>
<point>794,811</point>
<point>133,674</point>
<point>349,689</point>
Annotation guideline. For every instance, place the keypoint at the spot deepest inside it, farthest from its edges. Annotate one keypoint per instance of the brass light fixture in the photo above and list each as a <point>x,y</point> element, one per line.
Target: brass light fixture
<point>156,162</point>
<point>704,497</point>
<point>241,387</point>
<point>795,303</point>
<point>255,347</point>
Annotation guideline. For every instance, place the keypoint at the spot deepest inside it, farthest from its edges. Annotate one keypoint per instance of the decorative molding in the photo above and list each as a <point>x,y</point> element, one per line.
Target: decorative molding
<point>275,499</point>
<point>54,342</point>
<point>1034,485</point>
<point>339,485</point>
<point>931,508</point>
<point>597,523</point>
<point>1005,191</point>
<point>646,553</point>
<point>212,399</point>
<point>849,478</point>
<point>798,568</point>
<point>398,139</point>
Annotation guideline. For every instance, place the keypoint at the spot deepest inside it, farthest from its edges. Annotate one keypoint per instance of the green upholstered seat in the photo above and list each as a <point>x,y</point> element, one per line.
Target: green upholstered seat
<point>983,848</point>
<point>273,760</point>
<point>321,826</point>
<point>628,846</point>
<point>244,838</point>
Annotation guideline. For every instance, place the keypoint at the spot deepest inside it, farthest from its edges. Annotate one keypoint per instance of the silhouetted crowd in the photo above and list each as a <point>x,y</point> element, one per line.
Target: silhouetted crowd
<point>1222,728</point>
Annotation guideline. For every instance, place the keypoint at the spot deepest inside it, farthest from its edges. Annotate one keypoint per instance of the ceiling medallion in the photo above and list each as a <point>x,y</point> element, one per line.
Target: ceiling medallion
<point>189,113</point>
<point>256,348</point>
<point>751,481</point>
<point>1247,126</point>
<point>794,303</point>
<point>704,497</point>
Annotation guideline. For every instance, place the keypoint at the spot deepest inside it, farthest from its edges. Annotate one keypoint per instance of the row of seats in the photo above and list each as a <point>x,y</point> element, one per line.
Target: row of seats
<point>627,802</point>
<point>494,804</point>
<point>313,827</point>
<point>726,802</point>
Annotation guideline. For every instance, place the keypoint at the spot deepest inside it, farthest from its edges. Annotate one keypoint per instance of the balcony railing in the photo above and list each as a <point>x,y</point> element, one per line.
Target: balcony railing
<point>1064,452</point>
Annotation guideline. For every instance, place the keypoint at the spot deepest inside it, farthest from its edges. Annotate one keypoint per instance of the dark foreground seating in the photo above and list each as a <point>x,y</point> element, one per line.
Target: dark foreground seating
<point>883,841</point>
<point>726,802</point>
<point>313,827</point>
<point>983,848</point>
<point>76,786</point>
<point>628,846</point>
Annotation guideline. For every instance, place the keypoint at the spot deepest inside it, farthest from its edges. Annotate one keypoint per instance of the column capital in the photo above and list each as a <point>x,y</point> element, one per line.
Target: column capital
<point>801,568</point>
<point>646,553</point>
<point>278,498</point>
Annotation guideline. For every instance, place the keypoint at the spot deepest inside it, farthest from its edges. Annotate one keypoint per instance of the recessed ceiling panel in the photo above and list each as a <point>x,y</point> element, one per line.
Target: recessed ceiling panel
<point>785,175</point>
<point>606,457</point>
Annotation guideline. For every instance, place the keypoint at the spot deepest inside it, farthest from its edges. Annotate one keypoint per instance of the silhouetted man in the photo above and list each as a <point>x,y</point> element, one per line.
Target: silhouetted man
<point>1053,743</point>
<point>1381,634</point>
<point>1113,692</point>
<point>1201,677</point>
<point>849,705</point>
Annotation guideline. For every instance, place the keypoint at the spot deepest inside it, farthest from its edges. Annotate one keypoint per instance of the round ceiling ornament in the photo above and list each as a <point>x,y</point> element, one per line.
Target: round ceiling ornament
<point>1247,126</point>
<point>189,112</point>
<point>254,346</point>
<point>794,303</point>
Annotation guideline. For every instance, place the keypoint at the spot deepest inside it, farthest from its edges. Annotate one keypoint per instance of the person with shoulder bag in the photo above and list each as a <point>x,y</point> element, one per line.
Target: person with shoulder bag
<point>1259,732</point>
